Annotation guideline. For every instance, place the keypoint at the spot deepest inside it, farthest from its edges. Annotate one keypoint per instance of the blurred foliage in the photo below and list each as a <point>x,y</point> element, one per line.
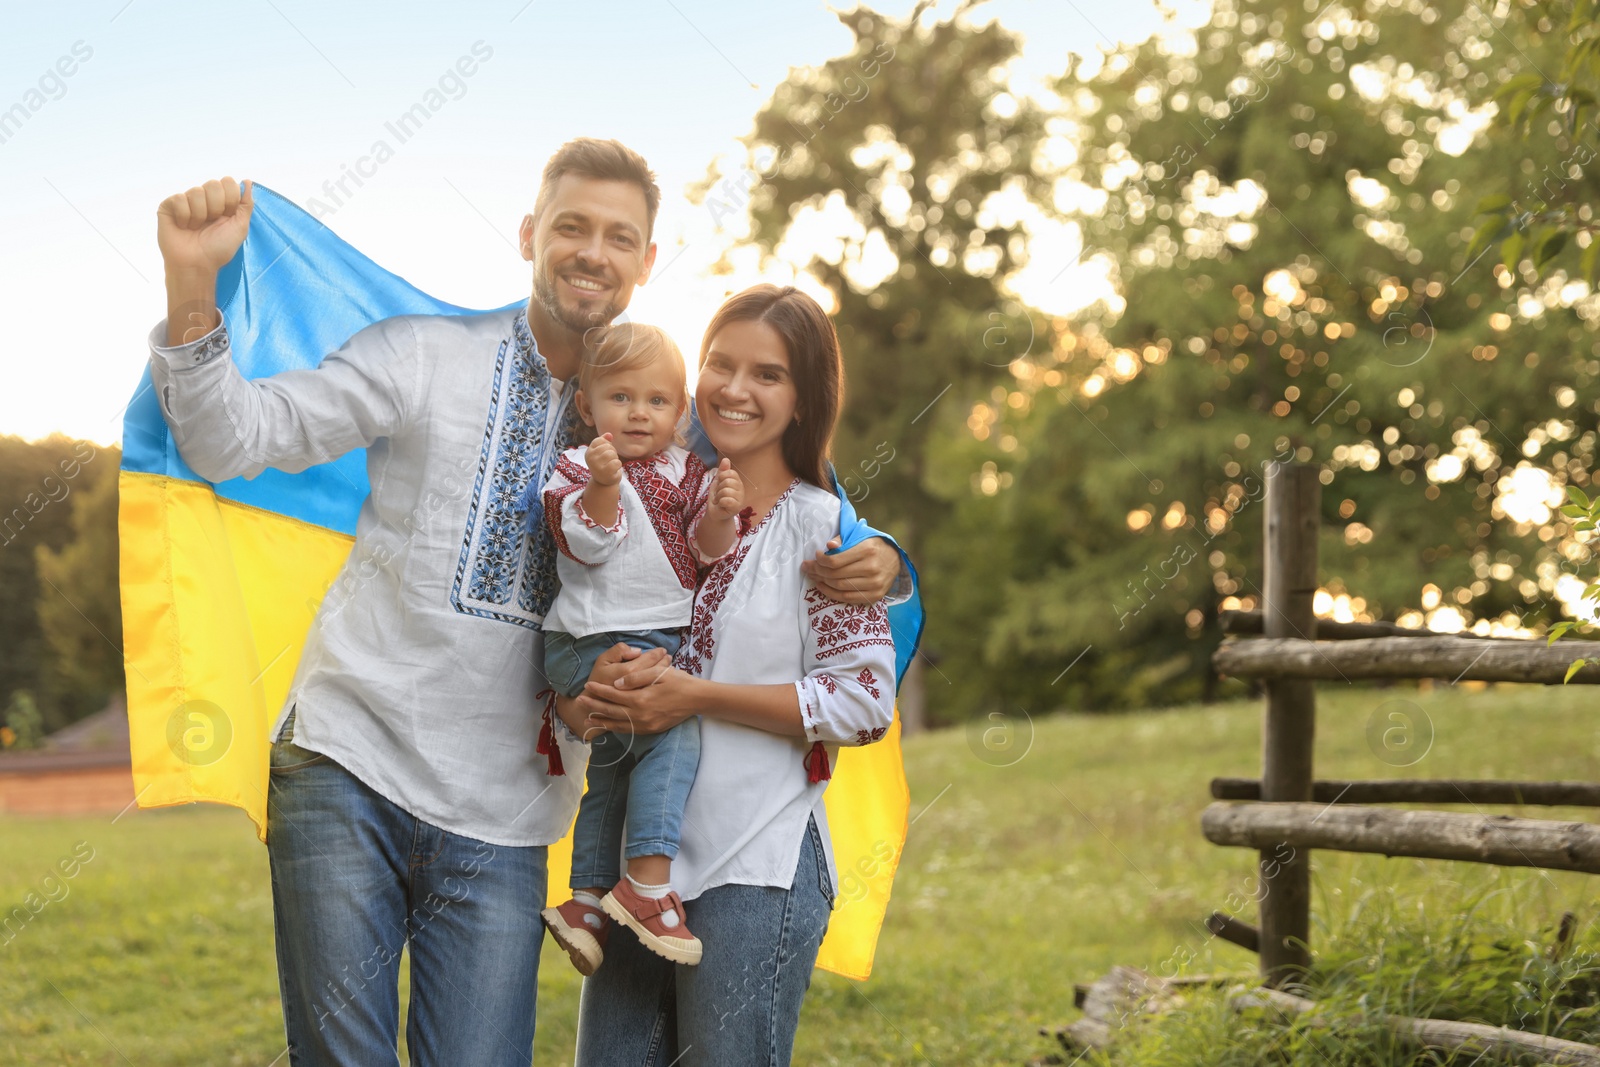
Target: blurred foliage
<point>58,572</point>
<point>1282,200</point>
<point>1553,103</point>
<point>24,726</point>
<point>80,607</point>
<point>899,136</point>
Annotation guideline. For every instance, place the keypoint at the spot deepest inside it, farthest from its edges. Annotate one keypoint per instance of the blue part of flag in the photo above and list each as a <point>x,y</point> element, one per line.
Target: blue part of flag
<point>293,293</point>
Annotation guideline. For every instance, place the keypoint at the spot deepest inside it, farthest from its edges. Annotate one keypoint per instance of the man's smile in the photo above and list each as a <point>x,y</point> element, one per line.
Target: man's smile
<point>585,285</point>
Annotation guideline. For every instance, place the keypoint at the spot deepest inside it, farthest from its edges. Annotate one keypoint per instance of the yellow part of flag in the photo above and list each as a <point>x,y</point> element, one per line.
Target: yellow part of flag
<point>217,598</point>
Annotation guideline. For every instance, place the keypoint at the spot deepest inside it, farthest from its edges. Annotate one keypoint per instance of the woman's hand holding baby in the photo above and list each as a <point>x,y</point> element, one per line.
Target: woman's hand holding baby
<point>611,700</point>
<point>614,663</point>
<point>650,698</point>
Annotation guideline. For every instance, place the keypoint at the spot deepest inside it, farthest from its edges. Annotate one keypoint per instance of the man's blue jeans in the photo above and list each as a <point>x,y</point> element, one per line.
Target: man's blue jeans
<point>355,879</point>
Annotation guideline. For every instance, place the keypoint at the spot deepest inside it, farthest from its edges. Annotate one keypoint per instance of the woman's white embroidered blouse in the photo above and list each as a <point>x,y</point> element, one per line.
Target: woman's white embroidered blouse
<point>758,621</point>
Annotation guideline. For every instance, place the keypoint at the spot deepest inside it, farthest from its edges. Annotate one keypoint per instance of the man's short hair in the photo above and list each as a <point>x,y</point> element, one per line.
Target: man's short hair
<point>608,160</point>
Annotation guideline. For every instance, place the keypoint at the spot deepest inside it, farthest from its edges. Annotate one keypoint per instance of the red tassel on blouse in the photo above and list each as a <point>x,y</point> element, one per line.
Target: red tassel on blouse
<point>548,747</point>
<point>817,769</point>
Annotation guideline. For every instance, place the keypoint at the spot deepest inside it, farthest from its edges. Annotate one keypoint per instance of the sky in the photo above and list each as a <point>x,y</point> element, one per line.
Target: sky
<point>129,102</point>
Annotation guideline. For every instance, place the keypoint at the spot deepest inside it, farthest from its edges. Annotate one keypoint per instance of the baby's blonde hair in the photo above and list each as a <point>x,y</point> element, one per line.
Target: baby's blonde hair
<point>624,346</point>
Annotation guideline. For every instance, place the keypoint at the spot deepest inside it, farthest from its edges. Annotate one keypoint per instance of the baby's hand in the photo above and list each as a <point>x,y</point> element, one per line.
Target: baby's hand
<point>605,466</point>
<point>727,491</point>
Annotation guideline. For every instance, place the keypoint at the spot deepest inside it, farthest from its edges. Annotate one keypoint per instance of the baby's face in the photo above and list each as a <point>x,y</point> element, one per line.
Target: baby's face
<point>638,407</point>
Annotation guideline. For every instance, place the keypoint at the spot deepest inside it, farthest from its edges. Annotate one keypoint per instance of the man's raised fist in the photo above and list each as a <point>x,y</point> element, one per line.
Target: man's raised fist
<point>200,230</point>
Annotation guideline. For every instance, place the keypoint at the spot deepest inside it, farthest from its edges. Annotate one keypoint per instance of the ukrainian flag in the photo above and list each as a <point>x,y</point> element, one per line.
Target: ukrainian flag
<point>217,578</point>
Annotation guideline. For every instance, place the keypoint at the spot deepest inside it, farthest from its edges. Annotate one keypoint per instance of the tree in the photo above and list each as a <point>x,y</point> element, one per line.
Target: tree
<point>1284,202</point>
<point>1551,197</point>
<point>896,148</point>
<point>36,479</point>
<point>24,727</point>
<point>79,607</point>
<point>1288,233</point>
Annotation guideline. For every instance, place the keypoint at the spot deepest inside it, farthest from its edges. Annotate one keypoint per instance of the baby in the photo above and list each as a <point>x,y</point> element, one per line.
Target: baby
<point>620,511</point>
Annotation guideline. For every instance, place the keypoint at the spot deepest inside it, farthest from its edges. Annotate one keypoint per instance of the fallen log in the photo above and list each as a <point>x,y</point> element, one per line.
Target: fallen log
<point>1452,658</point>
<point>1427,791</point>
<point>1080,990</point>
<point>1442,1034</point>
<point>1080,1034</point>
<point>1109,1002</point>
<point>1496,839</point>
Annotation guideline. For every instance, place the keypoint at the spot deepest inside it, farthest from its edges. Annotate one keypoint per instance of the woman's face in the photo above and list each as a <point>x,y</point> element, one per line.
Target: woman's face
<point>745,394</point>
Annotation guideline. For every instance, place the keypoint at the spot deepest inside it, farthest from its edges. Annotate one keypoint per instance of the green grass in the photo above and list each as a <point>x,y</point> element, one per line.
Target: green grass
<point>1017,881</point>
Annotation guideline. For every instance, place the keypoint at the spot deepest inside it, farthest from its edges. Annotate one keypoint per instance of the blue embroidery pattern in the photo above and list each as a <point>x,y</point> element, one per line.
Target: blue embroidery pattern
<point>507,568</point>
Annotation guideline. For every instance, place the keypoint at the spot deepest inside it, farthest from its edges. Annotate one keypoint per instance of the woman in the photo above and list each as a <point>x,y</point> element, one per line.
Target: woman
<point>781,676</point>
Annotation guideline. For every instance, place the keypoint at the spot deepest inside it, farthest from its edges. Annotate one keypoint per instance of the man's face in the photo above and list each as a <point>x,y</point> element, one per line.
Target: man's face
<point>589,250</point>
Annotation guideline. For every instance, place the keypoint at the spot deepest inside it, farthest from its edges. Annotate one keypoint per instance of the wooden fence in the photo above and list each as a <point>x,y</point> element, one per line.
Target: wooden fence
<point>1288,806</point>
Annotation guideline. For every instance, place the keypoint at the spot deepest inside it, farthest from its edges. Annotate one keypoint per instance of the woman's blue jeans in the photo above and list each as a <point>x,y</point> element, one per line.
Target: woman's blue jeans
<point>740,1005</point>
<point>356,879</point>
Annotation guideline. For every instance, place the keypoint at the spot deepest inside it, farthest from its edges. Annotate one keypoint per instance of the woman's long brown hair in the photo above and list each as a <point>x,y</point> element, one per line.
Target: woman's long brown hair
<point>814,366</point>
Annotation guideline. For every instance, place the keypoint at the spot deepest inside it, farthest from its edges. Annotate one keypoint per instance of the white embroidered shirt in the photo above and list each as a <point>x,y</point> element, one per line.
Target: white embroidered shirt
<point>757,620</point>
<point>633,570</point>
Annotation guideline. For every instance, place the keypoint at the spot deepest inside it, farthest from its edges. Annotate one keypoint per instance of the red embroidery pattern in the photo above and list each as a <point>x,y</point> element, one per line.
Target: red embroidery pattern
<point>553,499</point>
<point>668,506</point>
<point>839,628</point>
<point>869,682</point>
<point>702,640</point>
<point>828,682</point>
<point>701,491</point>
<point>589,523</point>
<point>572,470</point>
<point>696,651</point>
<point>864,737</point>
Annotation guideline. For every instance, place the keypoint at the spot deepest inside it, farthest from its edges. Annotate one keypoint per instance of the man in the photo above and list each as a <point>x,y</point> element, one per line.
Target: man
<point>408,805</point>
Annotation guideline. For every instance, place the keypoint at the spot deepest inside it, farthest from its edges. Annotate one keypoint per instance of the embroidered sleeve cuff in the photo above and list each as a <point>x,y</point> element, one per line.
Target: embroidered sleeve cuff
<point>194,353</point>
<point>808,708</point>
<point>705,560</point>
<point>618,527</point>
<point>694,537</point>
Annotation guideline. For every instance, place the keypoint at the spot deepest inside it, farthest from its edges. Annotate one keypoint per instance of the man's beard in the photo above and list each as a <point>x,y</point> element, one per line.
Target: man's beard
<point>544,290</point>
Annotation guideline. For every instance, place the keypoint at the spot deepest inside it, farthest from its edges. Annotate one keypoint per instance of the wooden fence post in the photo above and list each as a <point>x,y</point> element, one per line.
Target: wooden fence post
<point>1293,513</point>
